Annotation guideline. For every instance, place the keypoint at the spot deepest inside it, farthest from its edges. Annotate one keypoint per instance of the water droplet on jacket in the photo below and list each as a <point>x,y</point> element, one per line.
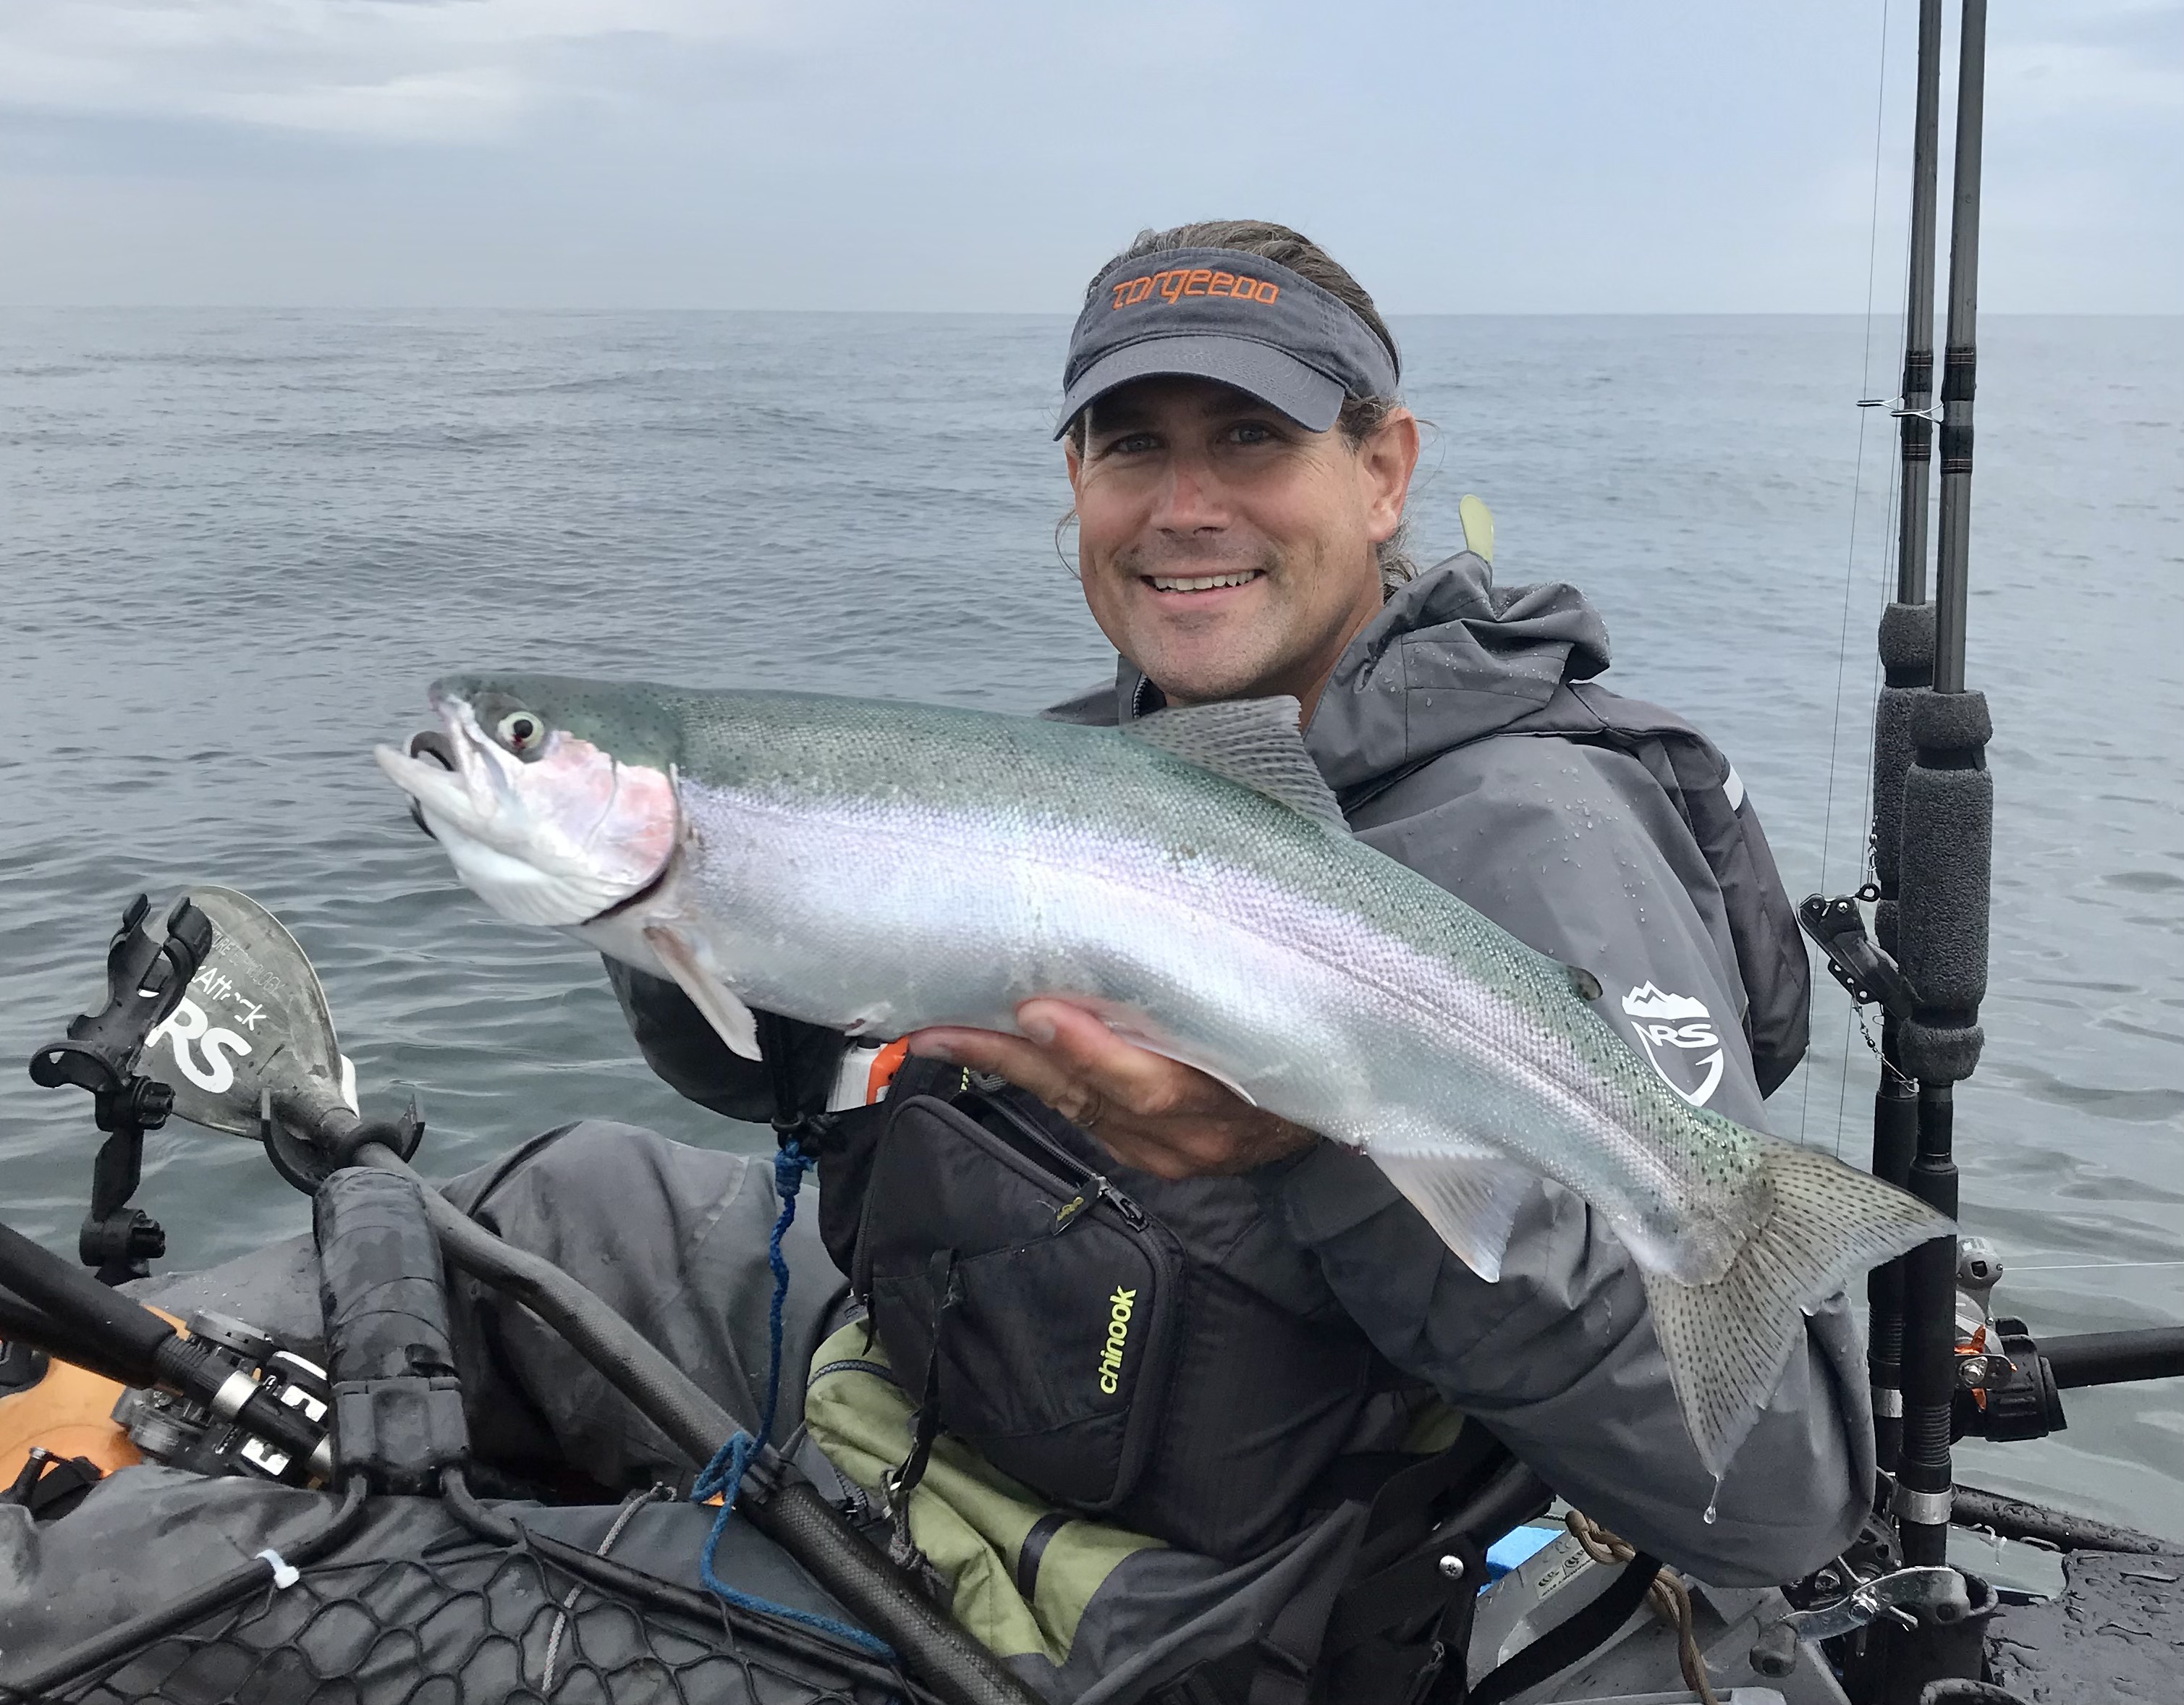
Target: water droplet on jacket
<point>1713,1504</point>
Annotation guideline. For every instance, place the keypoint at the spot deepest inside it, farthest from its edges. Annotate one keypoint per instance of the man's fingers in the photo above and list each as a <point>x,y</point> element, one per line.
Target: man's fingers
<point>1151,1112</point>
<point>1025,1064</point>
<point>1127,1074</point>
<point>1030,1065</point>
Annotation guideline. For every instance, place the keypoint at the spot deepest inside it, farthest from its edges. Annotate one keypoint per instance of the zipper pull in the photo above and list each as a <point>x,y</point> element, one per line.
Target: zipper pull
<point>1066,1213</point>
<point>1130,1211</point>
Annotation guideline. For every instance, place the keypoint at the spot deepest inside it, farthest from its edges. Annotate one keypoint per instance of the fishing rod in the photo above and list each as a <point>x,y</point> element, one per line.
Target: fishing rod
<point>1948,852</point>
<point>1933,834</point>
<point>1906,655</point>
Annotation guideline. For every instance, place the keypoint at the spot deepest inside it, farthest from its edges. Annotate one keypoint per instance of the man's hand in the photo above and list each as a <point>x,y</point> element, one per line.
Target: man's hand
<point>1149,1112</point>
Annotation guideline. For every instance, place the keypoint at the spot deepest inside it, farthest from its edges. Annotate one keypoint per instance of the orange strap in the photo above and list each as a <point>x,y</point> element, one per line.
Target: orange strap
<point>885,1064</point>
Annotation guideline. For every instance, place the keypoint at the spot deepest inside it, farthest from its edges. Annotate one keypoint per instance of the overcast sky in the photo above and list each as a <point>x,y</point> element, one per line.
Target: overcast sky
<point>1528,155</point>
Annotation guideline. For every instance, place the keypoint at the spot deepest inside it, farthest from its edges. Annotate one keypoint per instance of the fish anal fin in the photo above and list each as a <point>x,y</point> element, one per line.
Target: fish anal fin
<point>1132,1027</point>
<point>1251,741</point>
<point>1727,1341</point>
<point>1215,1072</point>
<point>1470,1200</point>
<point>722,1010</point>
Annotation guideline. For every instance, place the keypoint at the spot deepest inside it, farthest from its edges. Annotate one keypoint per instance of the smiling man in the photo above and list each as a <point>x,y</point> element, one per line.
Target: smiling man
<point>1240,459</point>
<point>1139,1461</point>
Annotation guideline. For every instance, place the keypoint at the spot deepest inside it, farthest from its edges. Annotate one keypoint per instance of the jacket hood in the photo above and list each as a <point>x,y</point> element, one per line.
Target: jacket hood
<point>1452,658</point>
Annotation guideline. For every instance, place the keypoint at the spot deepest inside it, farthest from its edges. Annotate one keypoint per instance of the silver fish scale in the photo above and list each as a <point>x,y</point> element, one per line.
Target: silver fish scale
<point>889,866</point>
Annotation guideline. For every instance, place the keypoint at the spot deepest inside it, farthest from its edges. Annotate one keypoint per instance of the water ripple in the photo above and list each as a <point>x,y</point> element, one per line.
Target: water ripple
<point>238,544</point>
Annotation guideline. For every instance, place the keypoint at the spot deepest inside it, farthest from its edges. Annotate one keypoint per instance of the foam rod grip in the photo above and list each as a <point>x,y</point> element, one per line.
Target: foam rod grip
<point>1947,864</point>
<point>380,1282</point>
<point>1906,655</point>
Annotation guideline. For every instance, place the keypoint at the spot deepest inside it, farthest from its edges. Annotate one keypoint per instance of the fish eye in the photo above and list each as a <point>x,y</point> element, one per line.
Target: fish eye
<point>520,731</point>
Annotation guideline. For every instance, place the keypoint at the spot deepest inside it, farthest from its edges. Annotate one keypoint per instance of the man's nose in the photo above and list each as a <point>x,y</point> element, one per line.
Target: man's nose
<point>1191,499</point>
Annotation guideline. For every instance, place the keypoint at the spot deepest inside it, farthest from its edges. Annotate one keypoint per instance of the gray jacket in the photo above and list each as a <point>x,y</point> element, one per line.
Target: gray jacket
<point>1462,734</point>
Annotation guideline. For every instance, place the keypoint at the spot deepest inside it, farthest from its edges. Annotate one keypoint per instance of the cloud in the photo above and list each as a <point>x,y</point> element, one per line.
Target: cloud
<point>413,70</point>
<point>1466,154</point>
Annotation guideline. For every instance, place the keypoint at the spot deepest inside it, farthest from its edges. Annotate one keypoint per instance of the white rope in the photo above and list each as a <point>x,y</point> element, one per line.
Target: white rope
<point>630,1504</point>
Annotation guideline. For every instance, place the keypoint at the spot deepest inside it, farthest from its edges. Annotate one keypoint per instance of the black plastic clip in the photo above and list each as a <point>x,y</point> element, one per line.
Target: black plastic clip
<point>307,1165</point>
<point>1868,975</point>
<point>146,977</point>
<point>50,1486</point>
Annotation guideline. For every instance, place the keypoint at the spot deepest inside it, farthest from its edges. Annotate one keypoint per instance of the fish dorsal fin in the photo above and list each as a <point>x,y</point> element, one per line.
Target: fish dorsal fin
<point>1253,741</point>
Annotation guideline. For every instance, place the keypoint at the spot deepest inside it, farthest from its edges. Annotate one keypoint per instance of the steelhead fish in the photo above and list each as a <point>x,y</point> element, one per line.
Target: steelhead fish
<point>881,867</point>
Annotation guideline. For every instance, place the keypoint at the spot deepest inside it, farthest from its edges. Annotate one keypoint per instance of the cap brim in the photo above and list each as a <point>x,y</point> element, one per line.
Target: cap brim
<point>1277,378</point>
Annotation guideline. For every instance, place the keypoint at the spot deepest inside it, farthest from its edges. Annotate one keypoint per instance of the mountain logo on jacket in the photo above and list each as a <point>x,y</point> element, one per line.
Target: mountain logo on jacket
<point>1672,1028</point>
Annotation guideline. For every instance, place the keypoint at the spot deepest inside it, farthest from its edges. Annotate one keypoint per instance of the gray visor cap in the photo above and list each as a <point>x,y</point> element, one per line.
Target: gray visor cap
<point>1223,314</point>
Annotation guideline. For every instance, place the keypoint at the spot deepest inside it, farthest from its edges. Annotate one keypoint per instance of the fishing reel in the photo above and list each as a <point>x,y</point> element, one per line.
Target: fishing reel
<point>2006,1388</point>
<point>206,1438</point>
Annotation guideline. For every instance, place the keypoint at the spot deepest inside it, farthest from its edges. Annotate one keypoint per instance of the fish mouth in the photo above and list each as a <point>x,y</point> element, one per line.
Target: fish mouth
<point>561,838</point>
<point>432,744</point>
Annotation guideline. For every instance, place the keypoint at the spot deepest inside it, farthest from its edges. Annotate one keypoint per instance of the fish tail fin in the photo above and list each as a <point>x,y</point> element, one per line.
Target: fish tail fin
<point>1727,1342</point>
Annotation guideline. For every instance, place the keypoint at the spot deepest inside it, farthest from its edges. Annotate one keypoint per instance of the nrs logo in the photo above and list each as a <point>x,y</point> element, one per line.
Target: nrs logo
<point>1118,1336</point>
<point>1670,1029</point>
<point>203,1049</point>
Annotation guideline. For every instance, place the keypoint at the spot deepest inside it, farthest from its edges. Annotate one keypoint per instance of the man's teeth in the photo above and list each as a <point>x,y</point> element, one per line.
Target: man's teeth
<point>1204,582</point>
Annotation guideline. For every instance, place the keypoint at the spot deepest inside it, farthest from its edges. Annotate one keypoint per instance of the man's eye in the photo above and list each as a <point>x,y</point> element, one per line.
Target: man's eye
<point>1132,444</point>
<point>1251,433</point>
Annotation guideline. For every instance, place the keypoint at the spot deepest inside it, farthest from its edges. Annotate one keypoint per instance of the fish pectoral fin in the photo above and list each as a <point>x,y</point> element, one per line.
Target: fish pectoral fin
<point>1470,1200</point>
<point>1253,741</point>
<point>728,1015</point>
<point>1727,1342</point>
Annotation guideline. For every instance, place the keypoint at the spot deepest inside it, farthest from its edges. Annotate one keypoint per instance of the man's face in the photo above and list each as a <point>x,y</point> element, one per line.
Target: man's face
<point>1225,550</point>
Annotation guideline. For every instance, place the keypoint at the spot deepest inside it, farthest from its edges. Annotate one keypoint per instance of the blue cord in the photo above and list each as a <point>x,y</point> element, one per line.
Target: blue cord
<point>723,1477</point>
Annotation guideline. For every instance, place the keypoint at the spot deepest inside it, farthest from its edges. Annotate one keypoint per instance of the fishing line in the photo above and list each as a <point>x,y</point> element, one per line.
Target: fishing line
<point>1865,786</point>
<point>2094,1266</point>
<point>1850,561</point>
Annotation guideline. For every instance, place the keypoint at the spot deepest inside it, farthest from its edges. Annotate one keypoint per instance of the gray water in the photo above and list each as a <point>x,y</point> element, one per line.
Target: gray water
<point>234,547</point>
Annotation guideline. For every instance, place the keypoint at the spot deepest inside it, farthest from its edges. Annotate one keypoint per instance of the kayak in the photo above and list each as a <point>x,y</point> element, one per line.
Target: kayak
<point>154,1545</point>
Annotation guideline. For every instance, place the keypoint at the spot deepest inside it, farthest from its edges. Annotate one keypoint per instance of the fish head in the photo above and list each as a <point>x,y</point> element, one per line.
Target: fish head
<point>556,799</point>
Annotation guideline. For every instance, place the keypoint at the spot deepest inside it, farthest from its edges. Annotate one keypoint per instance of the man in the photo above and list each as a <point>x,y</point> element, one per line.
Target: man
<point>1239,461</point>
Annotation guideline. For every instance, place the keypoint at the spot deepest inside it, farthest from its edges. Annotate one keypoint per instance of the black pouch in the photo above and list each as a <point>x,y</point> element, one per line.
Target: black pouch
<point>1057,1332</point>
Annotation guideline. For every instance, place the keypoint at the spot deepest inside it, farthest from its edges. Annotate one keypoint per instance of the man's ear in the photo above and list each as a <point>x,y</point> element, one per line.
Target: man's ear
<point>1385,461</point>
<point>1073,459</point>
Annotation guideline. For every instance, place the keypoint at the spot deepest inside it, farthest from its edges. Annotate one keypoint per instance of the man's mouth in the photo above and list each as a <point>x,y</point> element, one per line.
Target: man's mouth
<point>1202,582</point>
